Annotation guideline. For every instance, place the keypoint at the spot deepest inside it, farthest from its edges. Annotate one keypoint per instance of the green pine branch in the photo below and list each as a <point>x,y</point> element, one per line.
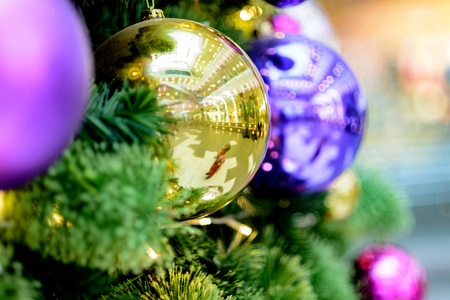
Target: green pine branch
<point>256,271</point>
<point>13,284</point>
<point>178,284</point>
<point>125,116</point>
<point>95,208</point>
<point>259,270</point>
<point>381,214</point>
<point>331,275</point>
<point>59,280</point>
<point>105,18</point>
<point>284,275</point>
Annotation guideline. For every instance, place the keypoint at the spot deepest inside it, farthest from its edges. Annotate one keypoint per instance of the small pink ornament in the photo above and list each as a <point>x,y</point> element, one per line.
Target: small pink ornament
<point>387,272</point>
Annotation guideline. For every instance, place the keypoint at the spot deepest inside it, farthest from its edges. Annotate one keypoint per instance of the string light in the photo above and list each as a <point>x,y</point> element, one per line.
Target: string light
<point>151,252</point>
<point>58,218</point>
<point>242,229</point>
<point>245,15</point>
<point>205,221</point>
<point>245,230</point>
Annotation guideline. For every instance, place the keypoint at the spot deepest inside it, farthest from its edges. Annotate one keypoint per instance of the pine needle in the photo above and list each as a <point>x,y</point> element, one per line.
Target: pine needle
<point>95,208</point>
<point>125,116</point>
<point>179,284</point>
<point>331,276</point>
<point>13,284</point>
<point>381,213</point>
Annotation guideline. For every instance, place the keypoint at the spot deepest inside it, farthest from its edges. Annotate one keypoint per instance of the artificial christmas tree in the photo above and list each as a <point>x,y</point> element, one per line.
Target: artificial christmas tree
<point>107,220</point>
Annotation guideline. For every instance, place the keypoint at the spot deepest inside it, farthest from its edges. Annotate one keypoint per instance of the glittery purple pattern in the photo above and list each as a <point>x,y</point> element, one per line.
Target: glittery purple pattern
<point>45,75</point>
<point>387,272</point>
<point>285,3</point>
<point>318,115</point>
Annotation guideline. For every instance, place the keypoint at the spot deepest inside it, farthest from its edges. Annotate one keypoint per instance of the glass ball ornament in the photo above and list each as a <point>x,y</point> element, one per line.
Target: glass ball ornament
<point>343,196</point>
<point>386,272</point>
<point>285,3</point>
<point>318,115</point>
<point>210,85</point>
<point>45,77</point>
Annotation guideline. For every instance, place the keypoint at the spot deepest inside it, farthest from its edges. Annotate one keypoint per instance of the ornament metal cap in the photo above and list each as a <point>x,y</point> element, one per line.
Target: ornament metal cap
<point>152,13</point>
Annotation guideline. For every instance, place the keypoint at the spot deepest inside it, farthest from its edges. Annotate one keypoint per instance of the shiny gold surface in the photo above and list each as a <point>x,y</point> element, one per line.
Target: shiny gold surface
<point>343,196</point>
<point>211,86</point>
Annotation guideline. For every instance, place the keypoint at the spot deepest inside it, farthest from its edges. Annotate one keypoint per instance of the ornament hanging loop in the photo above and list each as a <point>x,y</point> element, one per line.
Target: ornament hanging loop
<point>152,13</point>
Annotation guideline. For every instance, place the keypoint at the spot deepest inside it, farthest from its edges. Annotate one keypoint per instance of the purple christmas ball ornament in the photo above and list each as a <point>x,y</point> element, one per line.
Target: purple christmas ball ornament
<point>387,272</point>
<point>318,115</point>
<point>45,73</point>
<point>285,3</point>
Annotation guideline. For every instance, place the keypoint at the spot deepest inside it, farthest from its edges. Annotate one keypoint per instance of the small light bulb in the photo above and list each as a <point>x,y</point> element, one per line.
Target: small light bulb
<point>245,15</point>
<point>245,230</point>
<point>152,253</point>
<point>205,221</point>
<point>58,218</point>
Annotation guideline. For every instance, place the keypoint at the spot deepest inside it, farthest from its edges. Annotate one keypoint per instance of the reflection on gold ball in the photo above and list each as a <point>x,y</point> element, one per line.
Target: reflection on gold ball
<point>343,196</point>
<point>211,87</point>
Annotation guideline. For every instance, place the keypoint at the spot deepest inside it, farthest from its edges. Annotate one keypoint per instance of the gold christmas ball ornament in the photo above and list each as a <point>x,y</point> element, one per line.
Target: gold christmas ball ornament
<point>210,85</point>
<point>343,196</point>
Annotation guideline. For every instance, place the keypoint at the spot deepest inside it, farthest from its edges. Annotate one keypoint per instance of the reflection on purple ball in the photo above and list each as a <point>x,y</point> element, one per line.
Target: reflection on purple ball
<point>318,115</point>
<point>284,3</point>
<point>386,272</point>
<point>45,73</point>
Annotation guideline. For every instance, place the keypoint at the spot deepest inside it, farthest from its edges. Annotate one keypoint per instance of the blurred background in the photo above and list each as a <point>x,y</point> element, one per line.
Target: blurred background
<point>400,50</point>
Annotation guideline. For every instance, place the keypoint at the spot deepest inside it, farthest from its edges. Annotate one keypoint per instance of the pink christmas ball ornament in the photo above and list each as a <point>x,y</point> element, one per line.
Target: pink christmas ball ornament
<point>387,272</point>
<point>45,74</point>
